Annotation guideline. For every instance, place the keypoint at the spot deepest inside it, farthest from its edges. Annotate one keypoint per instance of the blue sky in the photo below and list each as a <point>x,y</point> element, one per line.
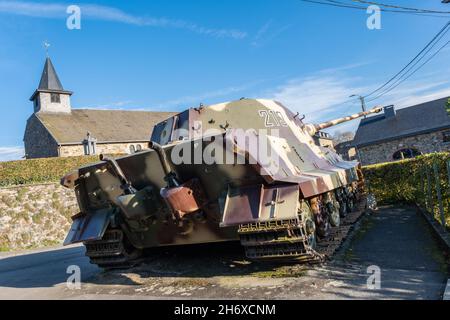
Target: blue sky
<point>171,55</point>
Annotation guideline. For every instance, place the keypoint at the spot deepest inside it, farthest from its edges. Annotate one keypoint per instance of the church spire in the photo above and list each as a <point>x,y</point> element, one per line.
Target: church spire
<point>49,78</point>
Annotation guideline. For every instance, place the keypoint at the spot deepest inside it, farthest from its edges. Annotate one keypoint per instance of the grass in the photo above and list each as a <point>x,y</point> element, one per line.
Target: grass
<point>296,271</point>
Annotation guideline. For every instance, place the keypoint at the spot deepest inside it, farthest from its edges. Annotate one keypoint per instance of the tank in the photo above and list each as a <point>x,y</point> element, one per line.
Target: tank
<point>246,170</point>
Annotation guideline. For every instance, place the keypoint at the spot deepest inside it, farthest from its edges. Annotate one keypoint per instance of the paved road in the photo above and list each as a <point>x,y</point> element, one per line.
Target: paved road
<point>396,240</point>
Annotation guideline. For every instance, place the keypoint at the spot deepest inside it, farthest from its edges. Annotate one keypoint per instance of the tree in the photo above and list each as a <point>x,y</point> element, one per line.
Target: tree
<point>343,136</point>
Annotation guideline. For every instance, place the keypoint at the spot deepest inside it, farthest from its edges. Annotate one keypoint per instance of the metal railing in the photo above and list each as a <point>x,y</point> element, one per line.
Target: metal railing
<point>436,190</point>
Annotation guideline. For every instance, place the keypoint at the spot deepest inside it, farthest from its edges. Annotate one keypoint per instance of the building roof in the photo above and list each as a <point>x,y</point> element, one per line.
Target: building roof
<point>422,118</point>
<point>103,125</point>
<point>49,80</point>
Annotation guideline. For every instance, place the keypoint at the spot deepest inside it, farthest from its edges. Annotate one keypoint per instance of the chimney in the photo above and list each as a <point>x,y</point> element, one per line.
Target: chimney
<point>389,112</point>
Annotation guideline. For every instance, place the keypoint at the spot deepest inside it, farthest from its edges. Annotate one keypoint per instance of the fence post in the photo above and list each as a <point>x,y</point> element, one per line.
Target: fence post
<point>422,184</point>
<point>448,172</point>
<point>438,192</point>
<point>430,206</point>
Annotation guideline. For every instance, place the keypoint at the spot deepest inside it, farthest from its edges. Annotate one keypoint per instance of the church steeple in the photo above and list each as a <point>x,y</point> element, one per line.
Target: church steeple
<point>50,96</point>
<point>49,78</point>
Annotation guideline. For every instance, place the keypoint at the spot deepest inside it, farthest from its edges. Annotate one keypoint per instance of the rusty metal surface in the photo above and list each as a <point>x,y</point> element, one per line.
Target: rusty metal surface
<point>184,199</point>
<point>259,203</point>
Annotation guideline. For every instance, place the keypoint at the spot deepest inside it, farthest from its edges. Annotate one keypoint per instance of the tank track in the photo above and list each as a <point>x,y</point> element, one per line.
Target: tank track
<point>112,251</point>
<point>286,240</point>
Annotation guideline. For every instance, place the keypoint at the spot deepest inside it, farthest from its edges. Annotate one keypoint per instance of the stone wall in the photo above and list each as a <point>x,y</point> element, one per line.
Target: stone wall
<point>104,148</point>
<point>38,141</point>
<point>35,215</point>
<point>383,152</point>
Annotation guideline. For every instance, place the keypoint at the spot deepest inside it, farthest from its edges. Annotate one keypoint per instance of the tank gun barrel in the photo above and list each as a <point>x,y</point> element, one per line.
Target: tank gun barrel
<point>313,128</point>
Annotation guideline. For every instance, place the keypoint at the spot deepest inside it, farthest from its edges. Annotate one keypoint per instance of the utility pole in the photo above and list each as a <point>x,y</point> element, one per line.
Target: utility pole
<point>363,102</point>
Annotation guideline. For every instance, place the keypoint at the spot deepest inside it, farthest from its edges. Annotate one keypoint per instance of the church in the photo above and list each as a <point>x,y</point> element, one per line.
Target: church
<point>55,129</point>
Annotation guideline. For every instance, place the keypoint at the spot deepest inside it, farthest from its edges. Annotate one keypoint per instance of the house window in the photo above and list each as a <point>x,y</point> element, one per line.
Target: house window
<point>406,154</point>
<point>132,149</point>
<point>446,135</point>
<point>54,98</point>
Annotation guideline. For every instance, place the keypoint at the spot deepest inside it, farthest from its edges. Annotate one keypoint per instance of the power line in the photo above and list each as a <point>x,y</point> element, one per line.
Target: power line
<point>352,6</point>
<point>400,79</point>
<point>412,61</point>
<point>411,74</point>
<point>399,7</point>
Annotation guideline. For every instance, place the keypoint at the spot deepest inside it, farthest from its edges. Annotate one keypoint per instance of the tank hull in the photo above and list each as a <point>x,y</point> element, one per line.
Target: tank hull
<point>211,184</point>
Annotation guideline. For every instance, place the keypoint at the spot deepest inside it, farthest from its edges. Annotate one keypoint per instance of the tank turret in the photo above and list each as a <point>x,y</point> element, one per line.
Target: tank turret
<point>313,128</point>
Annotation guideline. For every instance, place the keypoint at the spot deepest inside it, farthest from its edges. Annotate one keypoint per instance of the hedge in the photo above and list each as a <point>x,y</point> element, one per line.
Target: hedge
<point>40,170</point>
<point>406,181</point>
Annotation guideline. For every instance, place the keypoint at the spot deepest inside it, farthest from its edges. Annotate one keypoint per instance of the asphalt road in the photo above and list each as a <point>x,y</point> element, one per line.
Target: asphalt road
<point>395,240</point>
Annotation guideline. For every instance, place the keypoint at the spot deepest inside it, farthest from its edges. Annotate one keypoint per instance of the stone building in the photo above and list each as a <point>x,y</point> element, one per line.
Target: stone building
<point>56,130</point>
<point>346,150</point>
<point>324,139</point>
<point>404,133</point>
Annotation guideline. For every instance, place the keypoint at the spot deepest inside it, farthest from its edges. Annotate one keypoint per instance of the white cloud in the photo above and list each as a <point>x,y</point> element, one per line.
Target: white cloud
<point>324,95</point>
<point>97,12</point>
<point>266,33</point>
<point>207,96</point>
<point>11,153</point>
<point>317,96</point>
<point>426,89</point>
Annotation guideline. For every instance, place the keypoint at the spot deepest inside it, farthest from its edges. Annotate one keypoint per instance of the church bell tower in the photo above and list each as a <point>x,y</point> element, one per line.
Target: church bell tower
<point>50,96</point>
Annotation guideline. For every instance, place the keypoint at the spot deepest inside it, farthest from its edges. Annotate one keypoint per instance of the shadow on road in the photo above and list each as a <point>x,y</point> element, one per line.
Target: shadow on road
<point>46,269</point>
<point>43,269</point>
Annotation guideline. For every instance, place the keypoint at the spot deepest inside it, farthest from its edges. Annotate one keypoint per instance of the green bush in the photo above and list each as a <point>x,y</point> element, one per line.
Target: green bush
<point>406,181</point>
<point>40,170</point>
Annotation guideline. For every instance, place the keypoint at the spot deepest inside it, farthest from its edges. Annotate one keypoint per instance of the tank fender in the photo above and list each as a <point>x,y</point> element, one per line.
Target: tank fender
<point>87,227</point>
<point>259,203</point>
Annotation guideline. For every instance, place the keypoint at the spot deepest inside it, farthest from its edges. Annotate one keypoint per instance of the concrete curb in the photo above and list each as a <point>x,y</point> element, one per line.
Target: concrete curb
<point>439,230</point>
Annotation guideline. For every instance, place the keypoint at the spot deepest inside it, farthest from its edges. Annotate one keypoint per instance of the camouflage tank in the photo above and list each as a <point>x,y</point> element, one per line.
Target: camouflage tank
<point>245,170</point>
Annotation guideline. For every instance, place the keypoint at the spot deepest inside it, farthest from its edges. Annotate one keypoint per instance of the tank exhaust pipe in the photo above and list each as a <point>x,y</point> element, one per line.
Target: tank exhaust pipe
<point>311,129</point>
<point>170,177</point>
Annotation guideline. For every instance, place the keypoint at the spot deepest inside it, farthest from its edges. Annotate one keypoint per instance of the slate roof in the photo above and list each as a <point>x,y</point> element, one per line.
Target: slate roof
<point>104,125</point>
<point>49,80</point>
<point>422,118</point>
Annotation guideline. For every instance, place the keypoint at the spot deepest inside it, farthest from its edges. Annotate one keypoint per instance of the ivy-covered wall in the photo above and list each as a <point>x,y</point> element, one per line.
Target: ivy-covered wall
<point>406,181</point>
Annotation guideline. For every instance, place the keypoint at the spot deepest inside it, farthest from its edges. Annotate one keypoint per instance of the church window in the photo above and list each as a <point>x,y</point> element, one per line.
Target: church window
<point>132,149</point>
<point>406,153</point>
<point>138,147</point>
<point>54,98</point>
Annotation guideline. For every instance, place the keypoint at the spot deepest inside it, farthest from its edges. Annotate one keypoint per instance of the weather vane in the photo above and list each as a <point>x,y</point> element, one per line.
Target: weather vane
<point>46,46</point>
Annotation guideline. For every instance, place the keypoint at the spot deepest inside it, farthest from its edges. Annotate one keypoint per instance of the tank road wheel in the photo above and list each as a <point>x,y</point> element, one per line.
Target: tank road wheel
<point>307,218</point>
<point>332,207</point>
<point>113,251</point>
<point>350,204</point>
<point>340,197</point>
<point>321,217</point>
